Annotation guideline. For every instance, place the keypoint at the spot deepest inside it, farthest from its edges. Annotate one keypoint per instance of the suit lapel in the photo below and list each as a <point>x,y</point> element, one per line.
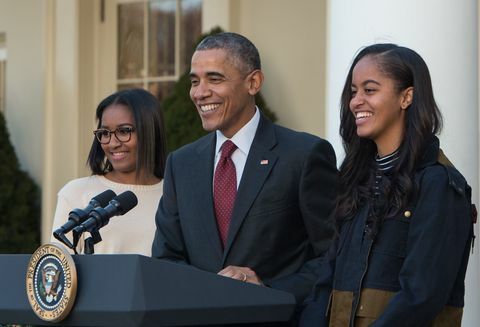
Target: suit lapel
<point>201,178</point>
<point>260,162</point>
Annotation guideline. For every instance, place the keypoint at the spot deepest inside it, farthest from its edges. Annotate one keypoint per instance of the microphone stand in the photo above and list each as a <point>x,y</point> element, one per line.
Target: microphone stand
<point>89,243</point>
<point>59,235</point>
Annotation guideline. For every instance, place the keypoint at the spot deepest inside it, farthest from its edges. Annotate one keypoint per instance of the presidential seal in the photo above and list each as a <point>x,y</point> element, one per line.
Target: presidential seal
<point>51,282</point>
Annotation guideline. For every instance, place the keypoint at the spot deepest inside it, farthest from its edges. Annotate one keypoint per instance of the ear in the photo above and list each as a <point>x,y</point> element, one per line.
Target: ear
<point>254,81</point>
<point>407,98</point>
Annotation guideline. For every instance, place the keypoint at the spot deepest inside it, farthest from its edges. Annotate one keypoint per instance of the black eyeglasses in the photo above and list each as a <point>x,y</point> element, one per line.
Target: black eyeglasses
<point>123,134</point>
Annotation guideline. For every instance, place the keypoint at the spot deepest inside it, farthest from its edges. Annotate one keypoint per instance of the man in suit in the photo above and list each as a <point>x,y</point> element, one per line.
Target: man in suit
<point>279,212</point>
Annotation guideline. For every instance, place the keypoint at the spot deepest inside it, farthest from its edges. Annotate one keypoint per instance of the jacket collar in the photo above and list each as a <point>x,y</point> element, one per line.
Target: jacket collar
<point>430,156</point>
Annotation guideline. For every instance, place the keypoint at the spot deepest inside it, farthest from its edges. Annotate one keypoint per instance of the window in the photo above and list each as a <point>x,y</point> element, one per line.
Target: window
<point>155,42</point>
<point>3,68</point>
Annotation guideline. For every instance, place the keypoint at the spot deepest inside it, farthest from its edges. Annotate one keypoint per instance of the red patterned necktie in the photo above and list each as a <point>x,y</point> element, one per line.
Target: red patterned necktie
<point>225,189</point>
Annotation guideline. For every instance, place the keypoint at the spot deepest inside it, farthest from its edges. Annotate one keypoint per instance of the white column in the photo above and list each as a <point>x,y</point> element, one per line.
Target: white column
<point>445,34</point>
<point>61,127</point>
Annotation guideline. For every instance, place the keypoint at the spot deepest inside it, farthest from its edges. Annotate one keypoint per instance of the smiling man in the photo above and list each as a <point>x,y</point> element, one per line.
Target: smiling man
<point>251,200</point>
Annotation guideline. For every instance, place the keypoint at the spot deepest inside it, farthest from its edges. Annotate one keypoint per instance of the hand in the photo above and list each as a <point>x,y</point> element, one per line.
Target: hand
<point>243,274</point>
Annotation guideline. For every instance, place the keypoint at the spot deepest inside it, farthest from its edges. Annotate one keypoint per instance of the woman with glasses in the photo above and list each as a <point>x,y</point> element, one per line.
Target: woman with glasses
<point>127,153</point>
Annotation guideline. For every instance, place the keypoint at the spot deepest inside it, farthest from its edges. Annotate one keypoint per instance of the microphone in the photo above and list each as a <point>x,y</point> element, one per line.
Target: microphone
<point>78,216</point>
<point>100,217</point>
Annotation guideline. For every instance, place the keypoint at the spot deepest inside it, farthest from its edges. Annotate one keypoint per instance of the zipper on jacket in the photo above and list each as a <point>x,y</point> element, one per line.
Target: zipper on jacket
<point>359,291</point>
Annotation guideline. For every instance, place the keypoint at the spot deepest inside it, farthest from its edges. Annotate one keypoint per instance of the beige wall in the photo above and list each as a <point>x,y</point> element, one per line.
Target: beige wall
<point>23,23</point>
<point>89,94</point>
<point>71,96</point>
<point>42,92</point>
<point>62,107</point>
<point>290,36</point>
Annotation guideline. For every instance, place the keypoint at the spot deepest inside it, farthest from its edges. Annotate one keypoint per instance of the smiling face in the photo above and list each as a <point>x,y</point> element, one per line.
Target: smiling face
<point>378,106</point>
<point>222,93</point>
<point>122,155</point>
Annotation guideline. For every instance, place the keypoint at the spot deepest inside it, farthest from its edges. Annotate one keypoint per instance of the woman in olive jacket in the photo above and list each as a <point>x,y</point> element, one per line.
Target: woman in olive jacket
<point>404,212</point>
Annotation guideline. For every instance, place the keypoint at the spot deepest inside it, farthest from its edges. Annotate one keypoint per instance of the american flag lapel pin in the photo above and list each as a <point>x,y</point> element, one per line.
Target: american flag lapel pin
<point>264,162</point>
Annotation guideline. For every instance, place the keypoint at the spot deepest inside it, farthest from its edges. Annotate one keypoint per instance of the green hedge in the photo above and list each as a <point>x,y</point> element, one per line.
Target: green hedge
<point>19,201</point>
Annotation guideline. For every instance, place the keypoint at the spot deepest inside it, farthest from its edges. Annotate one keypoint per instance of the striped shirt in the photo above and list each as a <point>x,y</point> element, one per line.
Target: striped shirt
<point>384,166</point>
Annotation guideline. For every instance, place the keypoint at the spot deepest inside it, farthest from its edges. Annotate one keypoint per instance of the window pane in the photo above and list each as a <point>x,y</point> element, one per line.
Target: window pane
<point>190,30</point>
<point>129,86</point>
<point>161,89</point>
<point>130,40</point>
<point>161,40</point>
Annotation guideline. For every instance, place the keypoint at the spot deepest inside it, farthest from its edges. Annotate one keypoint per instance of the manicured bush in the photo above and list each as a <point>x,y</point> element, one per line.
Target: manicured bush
<point>19,201</point>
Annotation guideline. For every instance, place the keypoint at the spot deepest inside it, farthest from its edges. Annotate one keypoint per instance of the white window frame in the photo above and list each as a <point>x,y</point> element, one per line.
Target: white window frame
<point>145,80</point>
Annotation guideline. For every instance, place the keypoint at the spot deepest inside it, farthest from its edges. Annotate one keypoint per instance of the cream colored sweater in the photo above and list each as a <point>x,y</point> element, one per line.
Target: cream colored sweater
<point>131,233</point>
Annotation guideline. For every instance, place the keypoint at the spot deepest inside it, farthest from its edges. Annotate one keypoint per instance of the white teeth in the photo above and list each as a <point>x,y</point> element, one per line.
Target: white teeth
<point>363,114</point>
<point>209,107</point>
<point>118,154</point>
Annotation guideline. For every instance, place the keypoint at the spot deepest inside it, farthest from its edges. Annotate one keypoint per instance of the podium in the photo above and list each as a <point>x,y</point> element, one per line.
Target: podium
<point>134,290</point>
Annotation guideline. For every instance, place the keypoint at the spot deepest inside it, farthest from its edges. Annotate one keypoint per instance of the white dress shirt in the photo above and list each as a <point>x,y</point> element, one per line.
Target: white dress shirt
<point>243,140</point>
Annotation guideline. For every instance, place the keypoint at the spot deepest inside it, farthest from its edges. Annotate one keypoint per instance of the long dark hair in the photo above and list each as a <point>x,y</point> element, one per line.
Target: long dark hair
<point>149,127</point>
<point>422,121</point>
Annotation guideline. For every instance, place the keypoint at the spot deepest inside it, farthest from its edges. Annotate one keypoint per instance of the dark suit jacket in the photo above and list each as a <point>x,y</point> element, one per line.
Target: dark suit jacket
<point>282,216</point>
